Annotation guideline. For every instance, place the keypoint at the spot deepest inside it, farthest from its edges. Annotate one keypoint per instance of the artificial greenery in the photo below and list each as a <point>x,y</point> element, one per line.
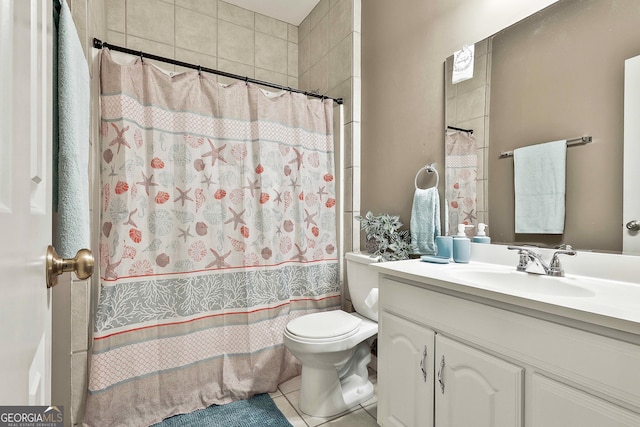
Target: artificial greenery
<point>384,237</point>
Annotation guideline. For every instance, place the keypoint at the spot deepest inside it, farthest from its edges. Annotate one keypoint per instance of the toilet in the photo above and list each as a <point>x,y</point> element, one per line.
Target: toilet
<point>334,347</point>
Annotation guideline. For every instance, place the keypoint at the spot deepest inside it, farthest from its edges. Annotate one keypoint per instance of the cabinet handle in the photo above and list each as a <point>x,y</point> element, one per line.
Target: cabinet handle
<point>440,372</point>
<point>423,364</point>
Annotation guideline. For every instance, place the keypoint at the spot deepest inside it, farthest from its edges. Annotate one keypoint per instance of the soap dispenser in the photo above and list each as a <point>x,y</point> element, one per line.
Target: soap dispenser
<point>481,235</point>
<point>461,245</point>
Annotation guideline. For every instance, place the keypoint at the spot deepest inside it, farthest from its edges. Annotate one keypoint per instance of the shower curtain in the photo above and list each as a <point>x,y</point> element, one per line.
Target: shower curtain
<point>218,226</point>
<point>461,177</point>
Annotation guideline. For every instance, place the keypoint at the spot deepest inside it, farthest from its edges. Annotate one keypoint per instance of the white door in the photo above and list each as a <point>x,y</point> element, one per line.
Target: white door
<point>25,201</point>
<point>631,192</point>
<point>475,389</point>
<point>405,373</point>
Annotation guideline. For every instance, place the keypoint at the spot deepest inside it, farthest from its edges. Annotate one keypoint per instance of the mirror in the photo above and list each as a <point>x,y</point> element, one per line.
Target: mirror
<point>558,74</point>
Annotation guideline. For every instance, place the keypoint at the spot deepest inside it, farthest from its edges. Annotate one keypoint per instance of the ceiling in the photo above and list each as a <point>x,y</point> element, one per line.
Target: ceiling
<point>291,11</point>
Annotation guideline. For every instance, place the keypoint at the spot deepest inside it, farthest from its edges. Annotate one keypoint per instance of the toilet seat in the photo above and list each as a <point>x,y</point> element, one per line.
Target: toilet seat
<point>325,326</point>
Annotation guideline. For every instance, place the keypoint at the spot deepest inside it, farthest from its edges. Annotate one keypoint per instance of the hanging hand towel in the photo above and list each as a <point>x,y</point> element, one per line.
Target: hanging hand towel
<point>425,220</point>
<point>72,228</point>
<point>539,182</point>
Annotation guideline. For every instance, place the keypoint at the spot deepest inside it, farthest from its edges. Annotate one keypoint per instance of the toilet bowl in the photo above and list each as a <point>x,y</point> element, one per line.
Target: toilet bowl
<point>334,346</point>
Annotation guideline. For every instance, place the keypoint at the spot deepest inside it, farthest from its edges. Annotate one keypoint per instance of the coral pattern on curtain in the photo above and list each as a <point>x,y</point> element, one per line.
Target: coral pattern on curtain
<point>461,178</point>
<point>218,226</point>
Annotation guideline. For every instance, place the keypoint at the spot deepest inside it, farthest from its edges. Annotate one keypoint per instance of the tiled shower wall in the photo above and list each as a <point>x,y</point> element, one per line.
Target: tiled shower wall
<point>329,63</point>
<point>330,48</point>
<point>322,54</point>
<point>211,33</point>
<point>467,107</point>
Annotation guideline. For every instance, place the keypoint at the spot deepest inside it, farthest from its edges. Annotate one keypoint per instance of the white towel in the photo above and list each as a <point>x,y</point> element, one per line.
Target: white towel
<point>425,220</point>
<point>539,181</point>
<point>72,228</point>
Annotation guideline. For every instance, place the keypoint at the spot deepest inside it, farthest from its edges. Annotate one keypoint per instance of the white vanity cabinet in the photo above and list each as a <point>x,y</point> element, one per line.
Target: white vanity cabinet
<point>408,349</point>
<point>474,388</point>
<point>504,365</point>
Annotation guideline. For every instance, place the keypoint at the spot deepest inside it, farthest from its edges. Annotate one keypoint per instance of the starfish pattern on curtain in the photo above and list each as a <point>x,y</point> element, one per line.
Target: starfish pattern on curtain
<point>218,226</point>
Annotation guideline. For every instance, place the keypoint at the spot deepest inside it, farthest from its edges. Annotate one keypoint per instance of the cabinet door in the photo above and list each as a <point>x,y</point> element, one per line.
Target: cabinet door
<point>558,405</point>
<point>474,388</point>
<point>405,373</point>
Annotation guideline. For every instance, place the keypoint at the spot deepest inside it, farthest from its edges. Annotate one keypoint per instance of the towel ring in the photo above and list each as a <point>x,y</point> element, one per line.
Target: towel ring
<point>428,169</point>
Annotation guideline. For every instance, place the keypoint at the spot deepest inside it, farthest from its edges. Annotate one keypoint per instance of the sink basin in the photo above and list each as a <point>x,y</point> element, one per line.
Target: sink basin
<point>523,283</point>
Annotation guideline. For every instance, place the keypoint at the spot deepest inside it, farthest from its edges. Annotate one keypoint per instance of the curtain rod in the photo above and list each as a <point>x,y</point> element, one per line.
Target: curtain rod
<point>99,44</point>
<point>460,129</point>
<point>570,143</point>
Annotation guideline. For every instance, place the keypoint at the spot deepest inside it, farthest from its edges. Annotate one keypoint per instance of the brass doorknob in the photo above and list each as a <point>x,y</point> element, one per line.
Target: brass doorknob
<point>82,265</point>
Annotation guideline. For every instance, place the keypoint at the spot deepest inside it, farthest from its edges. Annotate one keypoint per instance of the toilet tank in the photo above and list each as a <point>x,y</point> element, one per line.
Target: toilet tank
<point>361,280</point>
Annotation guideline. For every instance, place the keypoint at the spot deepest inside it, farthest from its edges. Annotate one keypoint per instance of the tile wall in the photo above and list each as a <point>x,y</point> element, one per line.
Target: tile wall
<point>467,107</point>
<point>214,34</point>
<point>329,63</point>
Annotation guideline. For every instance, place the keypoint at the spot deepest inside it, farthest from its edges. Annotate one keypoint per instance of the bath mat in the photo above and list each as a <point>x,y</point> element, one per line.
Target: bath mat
<point>258,411</point>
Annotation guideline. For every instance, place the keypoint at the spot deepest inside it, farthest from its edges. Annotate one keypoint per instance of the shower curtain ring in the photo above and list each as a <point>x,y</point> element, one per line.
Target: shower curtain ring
<point>246,80</point>
<point>141,57</point>
<point>199,70</point>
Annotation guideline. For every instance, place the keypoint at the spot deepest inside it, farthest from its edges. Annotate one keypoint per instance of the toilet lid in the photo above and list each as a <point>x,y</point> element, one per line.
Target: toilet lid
<point>326,324</point>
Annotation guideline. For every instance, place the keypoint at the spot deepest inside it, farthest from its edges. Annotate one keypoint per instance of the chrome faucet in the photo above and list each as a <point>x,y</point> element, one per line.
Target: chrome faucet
<point>554,268</point>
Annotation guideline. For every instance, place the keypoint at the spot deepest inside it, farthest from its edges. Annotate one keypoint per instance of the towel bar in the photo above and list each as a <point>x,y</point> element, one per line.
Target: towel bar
<point>570,142</point>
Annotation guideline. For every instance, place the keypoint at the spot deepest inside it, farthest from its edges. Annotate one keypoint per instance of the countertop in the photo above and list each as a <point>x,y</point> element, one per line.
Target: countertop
<point>601,303</point>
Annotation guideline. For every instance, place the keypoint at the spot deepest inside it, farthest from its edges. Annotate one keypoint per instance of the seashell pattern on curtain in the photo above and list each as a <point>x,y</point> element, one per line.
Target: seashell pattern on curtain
<point>217,227</point>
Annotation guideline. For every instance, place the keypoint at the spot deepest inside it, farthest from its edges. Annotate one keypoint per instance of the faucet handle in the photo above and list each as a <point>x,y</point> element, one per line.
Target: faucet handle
<point>564,246</point>
<point>520,249</point>
<point>525,257</point>
<point>555,268</point>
